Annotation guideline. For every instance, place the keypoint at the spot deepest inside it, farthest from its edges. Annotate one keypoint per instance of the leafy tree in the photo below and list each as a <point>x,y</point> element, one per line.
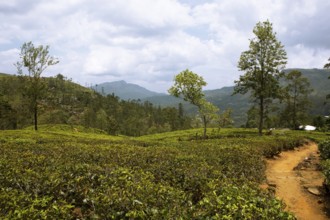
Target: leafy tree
<point>296,98</point>
<point>35,60</point>
<point>263,64</point>
<point>252,118</point>
<point>208,113</point>
<point>327,66</point>
<point>188,85</point>
<point>225,118</point>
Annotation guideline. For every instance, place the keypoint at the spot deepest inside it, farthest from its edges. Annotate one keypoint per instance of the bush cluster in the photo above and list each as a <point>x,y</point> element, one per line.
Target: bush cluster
<point>48,177</point>
<point>324,148</point>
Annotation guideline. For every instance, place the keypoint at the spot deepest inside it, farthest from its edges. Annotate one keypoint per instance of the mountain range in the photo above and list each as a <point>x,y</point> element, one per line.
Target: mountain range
<point>222,97</point>
<point>124,90</point>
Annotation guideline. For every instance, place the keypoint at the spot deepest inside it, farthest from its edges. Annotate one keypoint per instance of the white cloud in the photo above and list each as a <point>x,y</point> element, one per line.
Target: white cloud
<point>7,60</point>
<point>148,41</point>
<point>305,57</point>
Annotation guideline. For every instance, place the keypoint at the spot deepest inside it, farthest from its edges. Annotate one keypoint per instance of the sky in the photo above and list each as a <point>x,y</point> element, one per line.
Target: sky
<point>148,42</point>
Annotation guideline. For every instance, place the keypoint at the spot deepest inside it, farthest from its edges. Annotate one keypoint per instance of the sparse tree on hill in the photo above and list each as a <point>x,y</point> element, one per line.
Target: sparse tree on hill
<point>327,66</point>
<point>35,60</point>
<point>188,85</point>
<point>225,118</point>
<point>262,64</point>
<point>296,98</point>
<point>208,113</point>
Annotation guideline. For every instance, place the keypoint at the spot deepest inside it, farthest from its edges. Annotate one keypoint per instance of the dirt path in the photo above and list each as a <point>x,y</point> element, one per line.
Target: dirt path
<point>294,174</point>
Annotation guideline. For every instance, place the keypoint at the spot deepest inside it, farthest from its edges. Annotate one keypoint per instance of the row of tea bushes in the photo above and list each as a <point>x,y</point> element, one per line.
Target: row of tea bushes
<point>324,148</point>
<point>95,178</point>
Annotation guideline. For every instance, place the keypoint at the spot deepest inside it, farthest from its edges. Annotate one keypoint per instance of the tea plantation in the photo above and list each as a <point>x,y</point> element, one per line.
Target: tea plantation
<point>61,172</point>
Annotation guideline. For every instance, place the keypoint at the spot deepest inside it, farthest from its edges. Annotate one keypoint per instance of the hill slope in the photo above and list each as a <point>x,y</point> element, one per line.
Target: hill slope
<point>125,90</point>
<point>240,104</point>
<point>64,102</point>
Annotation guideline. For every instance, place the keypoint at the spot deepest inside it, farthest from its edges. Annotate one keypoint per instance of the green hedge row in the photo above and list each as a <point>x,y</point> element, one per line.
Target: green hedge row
<point>79,179</point>
<point>324,148</point>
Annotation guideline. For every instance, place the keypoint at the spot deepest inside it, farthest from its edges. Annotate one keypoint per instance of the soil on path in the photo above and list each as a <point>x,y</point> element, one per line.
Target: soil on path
<point>298,182</point>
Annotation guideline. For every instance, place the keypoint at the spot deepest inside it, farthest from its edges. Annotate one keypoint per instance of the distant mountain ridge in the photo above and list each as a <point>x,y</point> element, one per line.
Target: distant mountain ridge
<point>223,97</point>
<point>125,90</point>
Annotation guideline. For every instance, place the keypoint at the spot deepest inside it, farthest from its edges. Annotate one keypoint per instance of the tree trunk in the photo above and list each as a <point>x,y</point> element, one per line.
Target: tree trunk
<point>261,115</point>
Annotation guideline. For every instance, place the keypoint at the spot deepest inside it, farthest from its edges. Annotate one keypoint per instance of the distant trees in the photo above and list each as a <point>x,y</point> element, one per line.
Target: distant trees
<point>189,85</point>
<point>296,99</point>
<point>262,64</point>
<point>7,115</point>
<point>327,66</point>
<point>35,60</point>
<point>64,102</point>
<point>225,119</point>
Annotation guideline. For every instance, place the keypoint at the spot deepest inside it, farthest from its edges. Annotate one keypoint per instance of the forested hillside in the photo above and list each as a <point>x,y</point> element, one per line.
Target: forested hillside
<point>124,90</point>
<point>240,104</point>
<point>64,102</point>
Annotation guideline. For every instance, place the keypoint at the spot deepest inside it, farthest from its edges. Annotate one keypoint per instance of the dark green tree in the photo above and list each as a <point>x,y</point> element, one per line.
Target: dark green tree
<point>252,118</point>
<point>35,60</point>
<point>296,99</point>
<point>7,115</point>
<point>263,64</point>
<point>327,66</point>
<point>225,118</point>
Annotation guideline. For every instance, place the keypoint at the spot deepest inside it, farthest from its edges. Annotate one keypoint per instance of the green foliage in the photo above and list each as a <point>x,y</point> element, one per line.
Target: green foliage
<point>226,201</point>
<point>296,99</point>
<point>64,102</point>
<point>36,60</point>
<point>327,66</point>
<point>225,119</point>
<point>7,114</point>
<point>324,148</point>
<point>61,172</point>
<point>262,64</point>
<point>189,85</point>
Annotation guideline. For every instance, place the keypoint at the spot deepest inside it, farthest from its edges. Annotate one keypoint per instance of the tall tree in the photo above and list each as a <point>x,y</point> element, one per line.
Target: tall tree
<point>35,60</point>
<point>189,85</point>
<point>263,64</point>
<point>327,66</point>
<point>296,98</point>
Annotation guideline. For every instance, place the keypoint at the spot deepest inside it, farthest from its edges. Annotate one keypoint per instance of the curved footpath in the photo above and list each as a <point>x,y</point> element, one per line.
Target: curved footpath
<point>298,182</point>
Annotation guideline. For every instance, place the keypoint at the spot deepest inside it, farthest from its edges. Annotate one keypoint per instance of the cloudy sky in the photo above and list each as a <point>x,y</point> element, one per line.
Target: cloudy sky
<point>147,42</point>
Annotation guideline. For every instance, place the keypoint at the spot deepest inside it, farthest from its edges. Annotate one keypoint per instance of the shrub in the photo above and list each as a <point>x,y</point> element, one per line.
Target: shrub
<point>324,148</point>
<point>228,201</point>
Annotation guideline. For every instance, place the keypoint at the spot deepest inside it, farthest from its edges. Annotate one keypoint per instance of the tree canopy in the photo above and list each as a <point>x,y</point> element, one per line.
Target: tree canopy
<point>35,60</point>
<point>189,86</point>
<point>263,64</point>
<point>296,99</point>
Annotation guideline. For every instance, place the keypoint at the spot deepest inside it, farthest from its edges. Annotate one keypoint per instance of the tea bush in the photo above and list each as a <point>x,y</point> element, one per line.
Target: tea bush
<point>68,175</point>
<point>324,148</point>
